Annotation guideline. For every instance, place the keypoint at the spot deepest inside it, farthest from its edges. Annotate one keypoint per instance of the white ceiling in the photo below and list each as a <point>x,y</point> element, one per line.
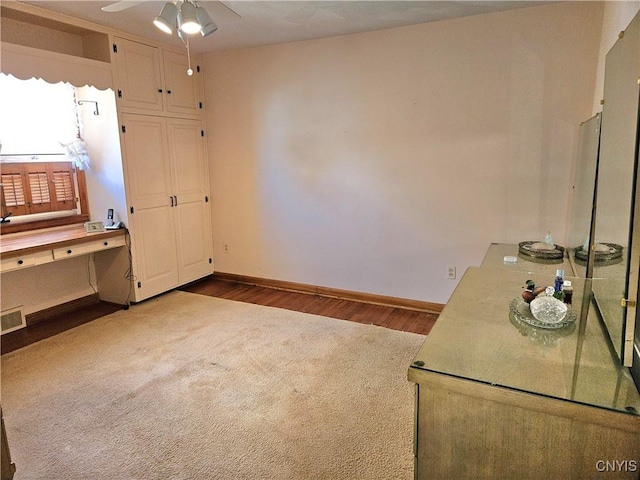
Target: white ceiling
<point>268,22</point>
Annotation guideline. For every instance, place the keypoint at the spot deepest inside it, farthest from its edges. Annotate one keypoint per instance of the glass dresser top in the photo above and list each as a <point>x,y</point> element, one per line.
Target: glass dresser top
<point>477,338</point>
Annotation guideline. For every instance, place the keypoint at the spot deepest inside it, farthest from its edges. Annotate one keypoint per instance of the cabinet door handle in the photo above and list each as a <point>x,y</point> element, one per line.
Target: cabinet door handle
<point>20,262</point>
<point>176,197</point>
<point>69,251</point>
<point>106,243</point>
<point>169,92</point>
<point>159,90</point>
<point>171,197</point>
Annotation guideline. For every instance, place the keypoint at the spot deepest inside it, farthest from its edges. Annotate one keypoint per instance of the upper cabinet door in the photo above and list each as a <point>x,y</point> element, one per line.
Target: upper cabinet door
<point>183,92</point>
<point>153,80</point>
<point>139,75</point>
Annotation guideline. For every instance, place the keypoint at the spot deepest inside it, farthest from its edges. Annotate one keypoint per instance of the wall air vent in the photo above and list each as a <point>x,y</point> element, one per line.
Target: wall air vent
<point>13,320</point>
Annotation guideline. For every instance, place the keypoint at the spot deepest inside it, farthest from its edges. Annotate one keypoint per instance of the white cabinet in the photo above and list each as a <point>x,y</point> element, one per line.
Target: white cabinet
<point>167,193</point>
<point>184,93</point>
<point>166,174</point>
<point>156,80</point>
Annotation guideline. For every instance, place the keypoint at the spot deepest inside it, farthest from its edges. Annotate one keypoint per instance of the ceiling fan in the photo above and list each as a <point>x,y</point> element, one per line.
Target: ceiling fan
<point>184,17</point>
<point>124,4</point>
<point>119,6</point>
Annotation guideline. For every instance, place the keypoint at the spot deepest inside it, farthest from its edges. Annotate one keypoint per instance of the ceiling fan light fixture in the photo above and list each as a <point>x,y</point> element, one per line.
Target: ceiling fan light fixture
<point>167,18</point>
<point>207,27</point>
<point>187,18</point>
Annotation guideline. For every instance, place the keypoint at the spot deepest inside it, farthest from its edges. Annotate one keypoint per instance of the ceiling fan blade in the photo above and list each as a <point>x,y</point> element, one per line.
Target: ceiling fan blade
<point>119,6</point>
<point>229,8</point>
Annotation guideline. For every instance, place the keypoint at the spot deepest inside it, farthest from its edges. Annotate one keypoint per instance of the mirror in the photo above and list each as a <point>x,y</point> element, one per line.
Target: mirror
<point>582,197</point>
<point>617,167</point>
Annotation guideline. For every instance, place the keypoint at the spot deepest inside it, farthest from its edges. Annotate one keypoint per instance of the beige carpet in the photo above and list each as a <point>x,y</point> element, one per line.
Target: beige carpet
<point>191,387</point>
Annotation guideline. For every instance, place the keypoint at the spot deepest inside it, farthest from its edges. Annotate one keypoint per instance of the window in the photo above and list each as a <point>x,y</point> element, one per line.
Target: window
<point>40,186</point>
<point>29,188</point>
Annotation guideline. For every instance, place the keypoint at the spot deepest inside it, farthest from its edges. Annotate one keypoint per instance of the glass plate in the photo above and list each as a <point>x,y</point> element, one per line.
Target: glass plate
<point>614,251</point>
<point>520,309</point>
<point>525,249</point>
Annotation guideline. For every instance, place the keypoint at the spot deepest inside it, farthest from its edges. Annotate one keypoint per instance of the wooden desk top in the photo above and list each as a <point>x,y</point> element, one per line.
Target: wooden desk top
<point>16,244</point>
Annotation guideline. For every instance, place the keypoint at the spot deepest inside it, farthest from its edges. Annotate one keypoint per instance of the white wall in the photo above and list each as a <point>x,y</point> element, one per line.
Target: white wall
<point>371,162</point>
<point>617,15</point>
<point>105,178</point>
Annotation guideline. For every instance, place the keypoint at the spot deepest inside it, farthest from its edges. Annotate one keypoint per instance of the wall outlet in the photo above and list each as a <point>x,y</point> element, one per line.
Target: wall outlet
<point>226,248</point>
<point>451,272</point>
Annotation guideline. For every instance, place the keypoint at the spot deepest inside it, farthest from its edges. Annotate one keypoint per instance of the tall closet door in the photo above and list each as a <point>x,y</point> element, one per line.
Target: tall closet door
<point>154,251</point>
<point>150,196</point>
<point>193,229</point>
<point>187,151</point>
<point>147,160</point>
<point>193,215</point>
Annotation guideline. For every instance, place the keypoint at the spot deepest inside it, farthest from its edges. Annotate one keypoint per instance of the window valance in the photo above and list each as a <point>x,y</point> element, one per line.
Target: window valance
<point>25,63</point>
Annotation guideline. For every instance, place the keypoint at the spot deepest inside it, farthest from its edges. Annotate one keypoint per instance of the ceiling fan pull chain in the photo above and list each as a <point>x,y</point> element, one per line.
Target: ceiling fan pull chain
<point>189,69</point>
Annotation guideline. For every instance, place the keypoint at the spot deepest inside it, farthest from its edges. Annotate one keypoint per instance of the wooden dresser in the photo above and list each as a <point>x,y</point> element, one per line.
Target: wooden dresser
<point>498,398</point>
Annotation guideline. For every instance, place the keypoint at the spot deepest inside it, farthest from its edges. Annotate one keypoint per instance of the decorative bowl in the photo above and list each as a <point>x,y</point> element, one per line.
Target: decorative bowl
<point>521,311</point>
<point>548,309</point>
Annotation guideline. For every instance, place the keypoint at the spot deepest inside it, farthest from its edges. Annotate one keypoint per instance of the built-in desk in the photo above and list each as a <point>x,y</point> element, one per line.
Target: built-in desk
<point>498,398</point>
<point>28,250</point>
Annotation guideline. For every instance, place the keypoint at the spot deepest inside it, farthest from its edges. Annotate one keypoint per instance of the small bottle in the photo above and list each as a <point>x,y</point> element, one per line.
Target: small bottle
<point>527,293</point>
<point>548,239</point>
<point>559,280</point>
<point>567,289</point>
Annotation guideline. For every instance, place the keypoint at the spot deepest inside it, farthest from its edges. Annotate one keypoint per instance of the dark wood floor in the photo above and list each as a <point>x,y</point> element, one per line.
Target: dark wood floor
<point>389,317</point>
<point>56,324</point>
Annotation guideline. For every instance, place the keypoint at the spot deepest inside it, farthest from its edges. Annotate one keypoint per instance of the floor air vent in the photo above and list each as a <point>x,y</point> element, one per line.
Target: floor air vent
<point>13,320</point>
